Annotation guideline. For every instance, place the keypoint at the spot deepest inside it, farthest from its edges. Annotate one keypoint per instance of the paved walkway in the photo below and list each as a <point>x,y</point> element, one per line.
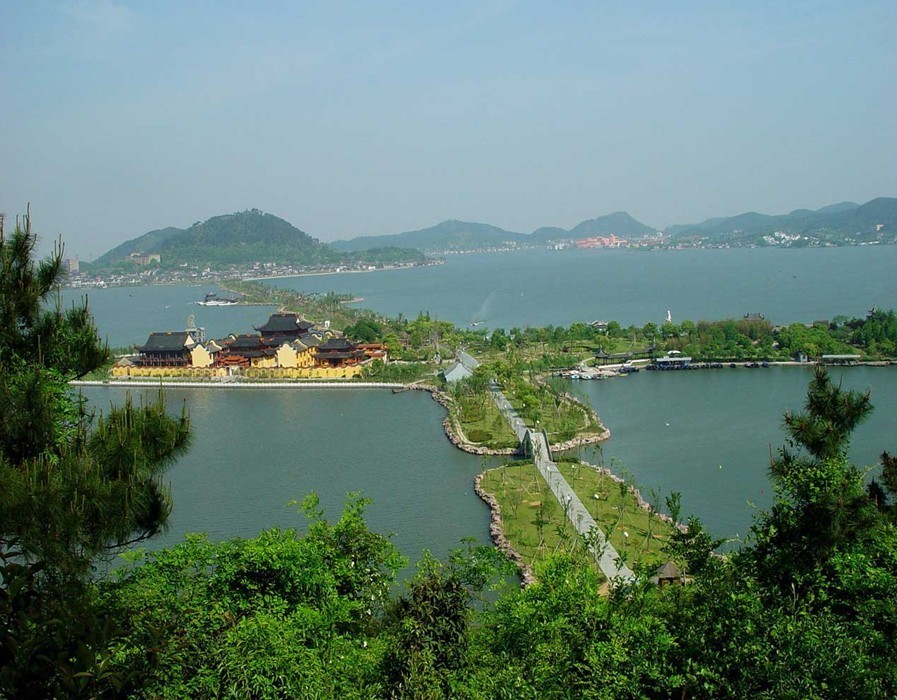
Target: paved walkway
<point>604,552</point>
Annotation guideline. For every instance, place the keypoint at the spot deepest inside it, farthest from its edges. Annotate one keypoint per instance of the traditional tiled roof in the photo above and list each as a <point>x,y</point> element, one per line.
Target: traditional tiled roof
<point>337,344</point>
<point>340,355</point>
<point>172,341</point>
<point>284,323</point>
<point>274,342</point>
<point>309,339</point>
<point>245,341</point>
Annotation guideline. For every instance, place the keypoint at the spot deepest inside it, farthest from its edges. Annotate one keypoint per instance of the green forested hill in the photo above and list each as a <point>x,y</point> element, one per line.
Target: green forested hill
<point>246,237</point>
<point>467,235</point>
<point>148,242</point>
<point>448,235</point>
<point>845,222</point>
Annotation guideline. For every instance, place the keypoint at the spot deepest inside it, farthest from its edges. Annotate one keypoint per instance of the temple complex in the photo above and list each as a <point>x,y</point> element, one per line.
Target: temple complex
<point>286,346</point>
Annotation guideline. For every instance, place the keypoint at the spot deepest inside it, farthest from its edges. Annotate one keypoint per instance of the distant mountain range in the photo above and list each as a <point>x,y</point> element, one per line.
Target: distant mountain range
<point>246,237</point>
<point>455,235</point>
<point>845,222</point>
<point>842,223</point>
<point>254,236</point>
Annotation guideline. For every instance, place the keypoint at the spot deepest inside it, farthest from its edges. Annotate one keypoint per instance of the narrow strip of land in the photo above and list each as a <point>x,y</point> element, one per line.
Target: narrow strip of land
<point>605,554</point>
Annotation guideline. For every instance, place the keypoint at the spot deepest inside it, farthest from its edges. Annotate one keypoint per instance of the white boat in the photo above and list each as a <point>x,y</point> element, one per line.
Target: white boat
<point>213,299</point>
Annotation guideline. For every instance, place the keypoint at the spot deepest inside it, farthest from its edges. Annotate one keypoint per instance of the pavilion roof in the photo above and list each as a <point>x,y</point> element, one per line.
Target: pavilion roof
<point>245,340</point>
<point>284,323</point>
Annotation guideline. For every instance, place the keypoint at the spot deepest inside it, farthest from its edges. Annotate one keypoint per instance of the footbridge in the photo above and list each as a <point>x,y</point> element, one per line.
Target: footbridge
<point>535,444</point>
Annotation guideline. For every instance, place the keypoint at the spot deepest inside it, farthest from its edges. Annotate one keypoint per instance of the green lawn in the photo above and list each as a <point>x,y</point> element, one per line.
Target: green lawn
<point>483,423</point>
<point>536,525</point>
<point>617,512</point>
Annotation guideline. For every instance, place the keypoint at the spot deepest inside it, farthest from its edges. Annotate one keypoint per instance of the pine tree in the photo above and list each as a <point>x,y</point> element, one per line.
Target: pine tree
<point>821,504</point>
<point>73,486</point>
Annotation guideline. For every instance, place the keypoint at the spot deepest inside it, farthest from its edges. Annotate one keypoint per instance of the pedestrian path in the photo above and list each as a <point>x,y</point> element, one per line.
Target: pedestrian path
<point>605,554</point>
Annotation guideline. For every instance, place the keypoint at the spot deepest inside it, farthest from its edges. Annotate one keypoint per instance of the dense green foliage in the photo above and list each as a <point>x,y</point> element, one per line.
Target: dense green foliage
<point>276,616</point>
<point>74,486</point>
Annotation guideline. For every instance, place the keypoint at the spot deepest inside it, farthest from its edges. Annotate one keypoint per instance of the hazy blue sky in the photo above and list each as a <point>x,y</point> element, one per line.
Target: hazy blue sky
<point>378,117</point>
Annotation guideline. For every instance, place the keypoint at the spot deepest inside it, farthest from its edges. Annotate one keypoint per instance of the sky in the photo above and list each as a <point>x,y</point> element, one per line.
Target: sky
<point>365,118</point>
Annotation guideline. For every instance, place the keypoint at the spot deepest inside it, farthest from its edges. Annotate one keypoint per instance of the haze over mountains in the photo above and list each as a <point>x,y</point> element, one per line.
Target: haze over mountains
<point>843,222</point>
<point>467,235</point>
<point>253,235</point>
<point>843,219</point>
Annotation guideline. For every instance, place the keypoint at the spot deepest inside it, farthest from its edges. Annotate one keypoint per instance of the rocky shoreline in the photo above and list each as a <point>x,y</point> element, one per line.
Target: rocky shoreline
<point>453,432</point>
<point>497,533</point>
<point>496,526</point>
<point>456,436</point>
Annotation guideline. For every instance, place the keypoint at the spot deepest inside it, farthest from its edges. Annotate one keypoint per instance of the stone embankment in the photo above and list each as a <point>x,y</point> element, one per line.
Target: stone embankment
<point>496,531</point>
<point>230,383</point>
<point>583,438</point>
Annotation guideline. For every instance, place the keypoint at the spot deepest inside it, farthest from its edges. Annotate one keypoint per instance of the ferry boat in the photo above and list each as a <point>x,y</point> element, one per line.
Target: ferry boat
<point>213,299</point>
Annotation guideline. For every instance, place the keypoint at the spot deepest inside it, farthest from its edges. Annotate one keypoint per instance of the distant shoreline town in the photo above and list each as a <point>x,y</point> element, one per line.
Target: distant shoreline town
<point>255,245</point>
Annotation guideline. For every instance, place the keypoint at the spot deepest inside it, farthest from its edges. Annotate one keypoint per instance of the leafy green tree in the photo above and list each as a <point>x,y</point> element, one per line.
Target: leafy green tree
<point>279,615</point>
<point>365,330</point>
<point>430,624</point>
<point>670,330</point>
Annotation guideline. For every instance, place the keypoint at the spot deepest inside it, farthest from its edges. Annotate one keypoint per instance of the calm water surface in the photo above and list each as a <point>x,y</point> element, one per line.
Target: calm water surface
<point>541,287</point>
<point>709,434</point>
<point>127,315</point>
<point>254,451</point>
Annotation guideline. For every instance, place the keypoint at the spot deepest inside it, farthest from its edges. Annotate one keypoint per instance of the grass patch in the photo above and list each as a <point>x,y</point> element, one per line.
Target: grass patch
<point>533,520</point>
<point>536,525</point>
<point>617,512</point>
<point>482,422</point>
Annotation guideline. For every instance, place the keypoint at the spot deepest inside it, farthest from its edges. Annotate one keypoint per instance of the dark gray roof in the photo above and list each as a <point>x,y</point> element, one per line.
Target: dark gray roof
<point>172,341</point>
<point>246,340</point>
<point>337,344</point>
<point>309,339</point>
<point>284,323</point>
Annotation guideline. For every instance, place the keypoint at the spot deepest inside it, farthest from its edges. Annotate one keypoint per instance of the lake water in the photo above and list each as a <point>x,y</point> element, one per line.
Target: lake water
<point>709,434</point>
<point>541,287</point>
<point>126,315</point>
<point>254,451</point>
